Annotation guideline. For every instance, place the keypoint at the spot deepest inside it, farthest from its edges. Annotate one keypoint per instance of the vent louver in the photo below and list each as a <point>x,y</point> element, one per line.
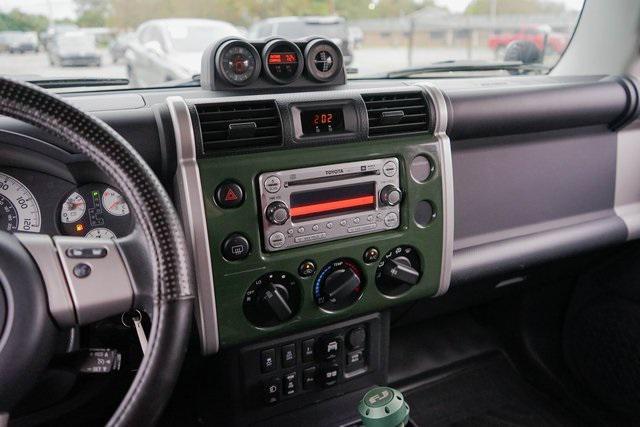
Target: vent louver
<point>397,113</point>
<point>233,126</point>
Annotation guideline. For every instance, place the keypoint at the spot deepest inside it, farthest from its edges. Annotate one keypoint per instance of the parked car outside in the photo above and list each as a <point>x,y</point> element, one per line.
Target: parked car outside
<point>119,46</point>
<point>296,27</point>
<point>19,41</point>
<point>74,48</point>
<point>555,42</point>
<point>171,49</point>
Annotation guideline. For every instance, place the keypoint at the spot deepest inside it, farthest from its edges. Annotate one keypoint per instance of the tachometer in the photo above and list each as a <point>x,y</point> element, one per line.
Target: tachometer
<point>238,62</point>
<point>19,210</point>
<point>114,203</point>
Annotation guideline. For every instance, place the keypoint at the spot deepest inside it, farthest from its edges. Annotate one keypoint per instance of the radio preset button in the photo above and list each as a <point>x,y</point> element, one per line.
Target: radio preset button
<point>343,222</point>
<point>272,184</point>
<point>300,229</point>
<point>391,220</point>
<point>290,231</point>
<point>389,168</point>
<point>356,220</point>
<point>370,218</point>
<point>315,227</point>
<point>276,240</point>
<point>329,225</point>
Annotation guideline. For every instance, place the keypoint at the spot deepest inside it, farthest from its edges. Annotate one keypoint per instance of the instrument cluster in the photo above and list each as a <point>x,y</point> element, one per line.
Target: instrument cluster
<point>53,206</point>
<point>238,64</point>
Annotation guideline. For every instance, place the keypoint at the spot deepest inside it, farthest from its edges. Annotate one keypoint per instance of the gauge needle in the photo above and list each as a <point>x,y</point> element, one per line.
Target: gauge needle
<point>116,203</point>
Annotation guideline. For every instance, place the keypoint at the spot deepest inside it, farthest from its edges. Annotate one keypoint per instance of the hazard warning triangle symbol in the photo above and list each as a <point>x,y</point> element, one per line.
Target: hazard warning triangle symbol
<point>230,196</point>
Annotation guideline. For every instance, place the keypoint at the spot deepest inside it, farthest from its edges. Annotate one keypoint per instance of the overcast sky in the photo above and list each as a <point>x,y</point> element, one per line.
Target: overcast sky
<point>66,8</point>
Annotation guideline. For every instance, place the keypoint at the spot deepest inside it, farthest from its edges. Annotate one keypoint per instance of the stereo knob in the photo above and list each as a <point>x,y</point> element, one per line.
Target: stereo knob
<point>277,213</point>
<point>390,195</point>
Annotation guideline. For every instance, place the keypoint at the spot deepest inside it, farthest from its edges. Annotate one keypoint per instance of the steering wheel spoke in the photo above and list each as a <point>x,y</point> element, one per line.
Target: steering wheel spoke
<point>86,279</point>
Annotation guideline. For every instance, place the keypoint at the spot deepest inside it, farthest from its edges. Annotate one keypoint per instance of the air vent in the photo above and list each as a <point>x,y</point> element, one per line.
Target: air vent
<point>234,126</point>
<point>397,113</point>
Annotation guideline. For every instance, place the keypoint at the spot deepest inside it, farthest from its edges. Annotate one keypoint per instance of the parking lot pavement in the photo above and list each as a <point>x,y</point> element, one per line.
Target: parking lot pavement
<point>37,64</point>
<point>366,60</point>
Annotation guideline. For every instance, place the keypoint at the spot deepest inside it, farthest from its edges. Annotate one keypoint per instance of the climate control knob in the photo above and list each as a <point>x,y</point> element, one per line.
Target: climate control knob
<point>390,195</point>
<point>272,299</point>
<point>277,213</point>
<point>338,285</point>
<point>398,270</point>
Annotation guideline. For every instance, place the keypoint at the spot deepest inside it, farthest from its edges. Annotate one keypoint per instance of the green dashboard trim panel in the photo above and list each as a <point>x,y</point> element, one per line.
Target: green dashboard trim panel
<point>232,279</point>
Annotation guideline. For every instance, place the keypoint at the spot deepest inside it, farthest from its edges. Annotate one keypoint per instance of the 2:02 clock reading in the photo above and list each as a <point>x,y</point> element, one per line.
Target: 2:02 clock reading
<point>322,121</point>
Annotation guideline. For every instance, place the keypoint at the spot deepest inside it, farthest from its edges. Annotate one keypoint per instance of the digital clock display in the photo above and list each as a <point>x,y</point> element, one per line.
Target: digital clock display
<point>322,121</point>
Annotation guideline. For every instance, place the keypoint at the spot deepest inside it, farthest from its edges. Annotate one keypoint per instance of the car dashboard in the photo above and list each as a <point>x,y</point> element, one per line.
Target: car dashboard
<point>312,214</point>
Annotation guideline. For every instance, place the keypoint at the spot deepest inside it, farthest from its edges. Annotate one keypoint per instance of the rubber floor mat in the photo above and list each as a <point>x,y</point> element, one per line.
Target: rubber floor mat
<point>487,392</point>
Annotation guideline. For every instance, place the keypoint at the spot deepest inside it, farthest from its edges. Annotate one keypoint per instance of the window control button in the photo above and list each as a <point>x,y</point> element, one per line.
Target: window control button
<point>289,384</point>
<point>271,389</point>
<point>309,377</point>
<point>268,360</point>
<point>307,350</point>
<point>289,355</point>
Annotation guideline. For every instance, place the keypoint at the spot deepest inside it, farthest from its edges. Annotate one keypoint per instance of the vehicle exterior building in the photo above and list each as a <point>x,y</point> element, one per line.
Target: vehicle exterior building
<point>297,27</point>
<point>171,49</point>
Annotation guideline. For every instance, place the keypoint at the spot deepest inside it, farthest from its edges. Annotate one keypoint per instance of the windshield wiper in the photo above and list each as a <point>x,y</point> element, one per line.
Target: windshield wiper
<point>464,66</point>
<point>65,82</point>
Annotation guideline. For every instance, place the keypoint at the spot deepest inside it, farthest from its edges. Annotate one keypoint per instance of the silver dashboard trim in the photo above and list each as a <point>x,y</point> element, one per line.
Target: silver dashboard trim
<point>444,153</point>
<point>191,207</point>
<point>627,187</point>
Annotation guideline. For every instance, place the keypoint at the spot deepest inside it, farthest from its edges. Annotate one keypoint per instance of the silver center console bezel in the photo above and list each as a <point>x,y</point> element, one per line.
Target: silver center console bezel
<point>298,233</point>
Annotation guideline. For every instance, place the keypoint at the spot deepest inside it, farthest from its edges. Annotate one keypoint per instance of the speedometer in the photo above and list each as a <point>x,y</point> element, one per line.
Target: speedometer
<point>19,210</point>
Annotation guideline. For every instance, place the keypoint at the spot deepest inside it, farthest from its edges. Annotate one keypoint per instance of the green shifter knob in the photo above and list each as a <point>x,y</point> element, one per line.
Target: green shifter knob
<point>383,407</point>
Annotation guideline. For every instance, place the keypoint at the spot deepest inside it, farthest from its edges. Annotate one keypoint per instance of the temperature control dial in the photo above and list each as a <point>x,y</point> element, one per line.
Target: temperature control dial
<point>338,285</point>
<point>272,299</point>
<point>398,270</point>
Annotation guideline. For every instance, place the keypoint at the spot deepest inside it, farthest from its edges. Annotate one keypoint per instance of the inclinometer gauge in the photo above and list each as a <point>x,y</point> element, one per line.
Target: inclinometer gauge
<point>323,59</point>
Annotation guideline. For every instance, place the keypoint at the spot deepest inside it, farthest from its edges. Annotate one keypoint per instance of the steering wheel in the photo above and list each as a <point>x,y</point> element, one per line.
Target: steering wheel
<point>48,284</point>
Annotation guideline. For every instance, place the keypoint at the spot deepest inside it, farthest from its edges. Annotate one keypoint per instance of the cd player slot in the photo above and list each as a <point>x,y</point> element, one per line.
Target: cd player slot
<point>331,178</point>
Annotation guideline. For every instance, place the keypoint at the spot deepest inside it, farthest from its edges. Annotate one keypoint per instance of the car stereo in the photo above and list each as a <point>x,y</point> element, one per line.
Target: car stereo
<point>304,206</point>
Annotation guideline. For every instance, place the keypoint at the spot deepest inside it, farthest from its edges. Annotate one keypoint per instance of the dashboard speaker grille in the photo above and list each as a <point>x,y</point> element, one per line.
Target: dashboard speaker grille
<point>232,126</point>
<point>397,113</point>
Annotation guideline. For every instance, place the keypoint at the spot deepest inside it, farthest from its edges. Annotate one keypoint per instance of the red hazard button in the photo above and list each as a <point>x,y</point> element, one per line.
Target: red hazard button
<point>229,194</point>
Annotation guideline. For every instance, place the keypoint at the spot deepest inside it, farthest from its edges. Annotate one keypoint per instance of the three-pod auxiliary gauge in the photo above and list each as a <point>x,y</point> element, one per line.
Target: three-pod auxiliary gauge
<point>238,64</point>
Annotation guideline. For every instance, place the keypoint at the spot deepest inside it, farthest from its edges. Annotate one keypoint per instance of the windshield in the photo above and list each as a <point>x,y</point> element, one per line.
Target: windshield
<point>160,42</point>
<point>196,38</point>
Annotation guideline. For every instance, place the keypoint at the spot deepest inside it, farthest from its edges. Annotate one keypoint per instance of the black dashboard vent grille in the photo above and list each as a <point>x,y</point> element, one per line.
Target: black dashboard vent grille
<point>234,126</point>
<point>397,113</point>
